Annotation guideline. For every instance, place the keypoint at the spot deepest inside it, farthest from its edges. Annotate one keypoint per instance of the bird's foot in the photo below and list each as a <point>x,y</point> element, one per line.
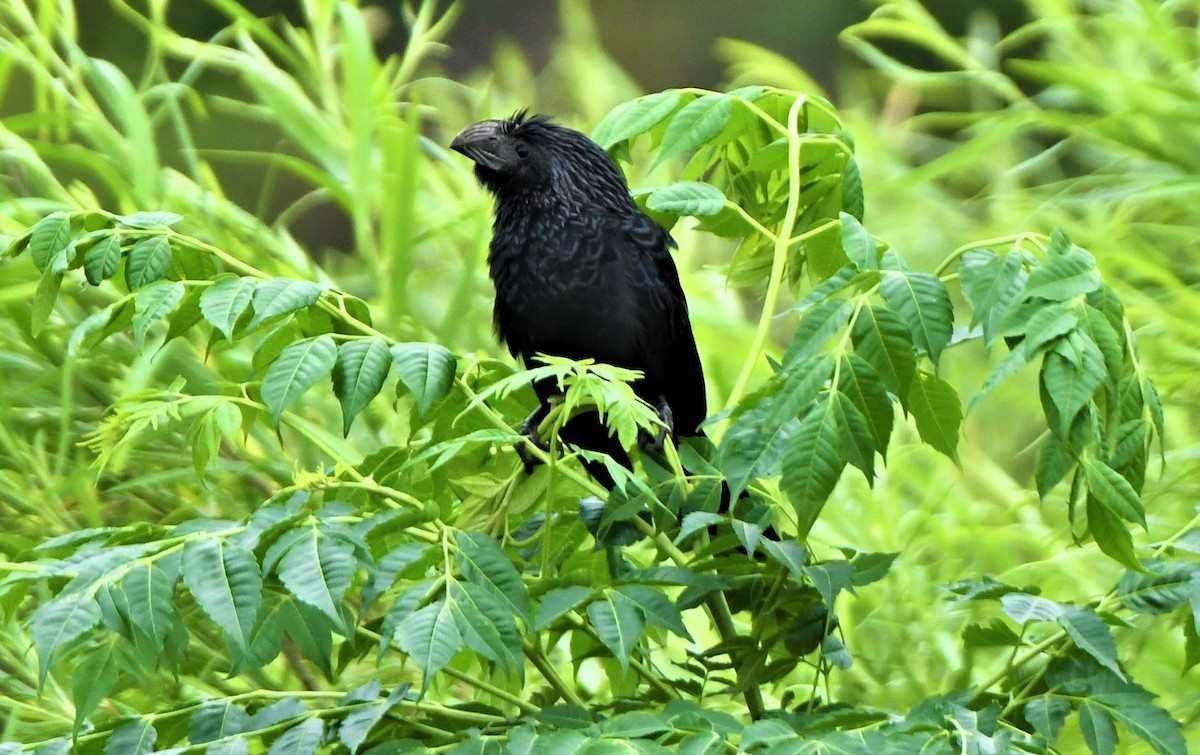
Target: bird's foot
<point>529,428</point>
<point>655,444</point>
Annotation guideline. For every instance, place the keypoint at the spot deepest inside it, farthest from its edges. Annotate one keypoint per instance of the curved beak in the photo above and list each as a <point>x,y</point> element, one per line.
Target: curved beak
<point>485,143</point>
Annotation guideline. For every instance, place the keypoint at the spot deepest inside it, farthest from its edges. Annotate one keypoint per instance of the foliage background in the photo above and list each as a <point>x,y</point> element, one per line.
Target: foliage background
<point>1082,120</point>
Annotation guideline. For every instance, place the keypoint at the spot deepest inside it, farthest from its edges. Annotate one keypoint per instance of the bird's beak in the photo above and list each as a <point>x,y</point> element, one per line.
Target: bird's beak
<point>485,143</point>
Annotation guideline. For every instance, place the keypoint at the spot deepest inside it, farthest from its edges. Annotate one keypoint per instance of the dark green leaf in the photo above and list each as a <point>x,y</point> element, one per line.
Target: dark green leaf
<point>225,580</point>
<point>151,607</point>
<point>1114,492</point>
<point>100,262</point>
<point>937,412</point>
<point>857,442</point>
<point>426,369</point>
<point>923,302</point>
<point>812,464</point>
<point>991,283</point>
<point>49,239</point>
<point>882,339</point>
<point>694,198</point>
<point>58,622</point>
<point>1098,730</point>
<point>133,738</point>
<point>301,739</point>
<point>225,301</point>
<point>817,326</point>
<point>299,367</point>
<point>1064,276</point>
<point>483,562</point>
<point>486,624</point>
<point>93,679</point>
<point>430,637</point>
<point>657,609</point>
<point>216,720</point>
<point>619,625</point>
<point>152,303</point>
<point>1091,635</point>
<point>280,296</point>
<point>852,189</point>
<point>857,243</point>
<point>318,569</point>
<point>558,602</point>
<point>148,260</point>
<point>861,385</point>
<point>1111,534</point>
<point>358,375</point>
<point>44,300</point>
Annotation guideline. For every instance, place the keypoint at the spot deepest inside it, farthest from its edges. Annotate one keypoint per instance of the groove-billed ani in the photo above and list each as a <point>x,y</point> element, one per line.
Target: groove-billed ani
<point>581,272</point>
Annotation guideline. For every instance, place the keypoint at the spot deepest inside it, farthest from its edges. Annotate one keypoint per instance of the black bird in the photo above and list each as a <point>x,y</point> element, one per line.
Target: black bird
<point>581,272</point>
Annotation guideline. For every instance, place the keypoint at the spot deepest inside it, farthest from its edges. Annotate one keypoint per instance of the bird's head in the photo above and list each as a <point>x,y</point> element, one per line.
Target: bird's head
<point>530,158</point>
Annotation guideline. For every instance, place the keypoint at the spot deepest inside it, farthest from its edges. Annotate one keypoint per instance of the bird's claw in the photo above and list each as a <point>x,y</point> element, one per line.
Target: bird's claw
<point>668,427</point>
<point>529,429</point>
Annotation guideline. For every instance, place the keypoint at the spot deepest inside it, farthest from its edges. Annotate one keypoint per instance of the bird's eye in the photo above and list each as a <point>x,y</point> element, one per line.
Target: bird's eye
<point>522,150</point>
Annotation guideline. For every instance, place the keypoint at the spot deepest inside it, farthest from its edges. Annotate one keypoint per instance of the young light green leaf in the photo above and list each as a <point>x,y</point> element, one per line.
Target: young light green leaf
<point>148,261</point>
<point>882,339</point>
<point>430,637</point>
<point>695,198</point>
<point>49,239</point>
<point>318,569</point>
<point>923,302</point>
<point>857,243</point>
<point>152,303</point>
<point>938,413</point>
<point>100,262</point>
<point>225,301</point>
<point>150,219</point>
<point>225,580</point>
<point>1064,276</point>
<point>635,117</point>
<point>151,606</point>
<point>299,367</point>
<point>618,624</point>
<point>358,375</point>
<point>134,738</point>
<point>696,123</point>
<point>58,622</point>
<point>1091,635</point>
<point>656,608</point>
<point>426,370</point>
<point>812,464</point>
<point>280,296</point>
<point>301,739</point>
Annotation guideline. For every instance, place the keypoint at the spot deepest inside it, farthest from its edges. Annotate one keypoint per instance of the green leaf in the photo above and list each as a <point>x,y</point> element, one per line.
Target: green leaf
<point>93,679</point>
<point>755,443</point>
<point>301,739</point>
<point>486,624</point>
<point>656,608</point>
<point>1071,374</point>
<point>882,339</point>
<point>100,262</point>
<point>1098,730</point>
<point>812,464</point>
<point>618,624</point>
<point>923,302</point>
<point>1111,534</point>
<point>148,260</point>
<point>558,602</point>
<point>358,375</point>
<point>299,367</point>
<point>852,189</point>
<point>861,385</point>
<point>152,303</point>
<point>225,301</point>
<point>991,283</point>
<point>1047,324</point>
<point>1064,276</point>
<point>44,300</point>
<point>1054,462</point>
<point>695,124</point>
<point>357,724</point>
<point>133,738</point>
<point>1047,713</point>
<point>49,239</point>
<point>857,443</point>
<point>635,117</point>
<point>225,580</point>
<point>216,720</point>
<point>150,219</point>
<point>938,413</point>
<point>280,296</point>
<point>817,325</point>
<point>430,637</point>
<point>426,369</point>
<point>857,243</point>
<point>1023,608</point>
<point>1114,492</point>
<point>318,569</point>
<point>484,562</point>
<point>694,198</point>
<point>58,622</point>
<point>151,608</point>
<point>1091,635</point>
